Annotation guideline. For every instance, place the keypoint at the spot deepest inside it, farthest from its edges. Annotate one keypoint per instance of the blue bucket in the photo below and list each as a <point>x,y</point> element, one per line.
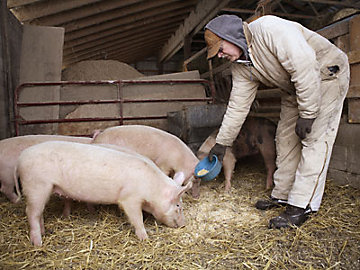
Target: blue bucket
<point>207,170</point>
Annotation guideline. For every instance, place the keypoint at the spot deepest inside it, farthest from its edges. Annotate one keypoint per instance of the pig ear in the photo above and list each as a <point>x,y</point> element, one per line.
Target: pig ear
<point>96,132</point>
<point>182,190</point>
<point>179,178</point>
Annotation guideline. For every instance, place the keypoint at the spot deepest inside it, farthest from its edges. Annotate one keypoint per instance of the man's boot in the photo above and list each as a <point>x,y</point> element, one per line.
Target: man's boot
<point>291,216</point>
<point>269,203</point>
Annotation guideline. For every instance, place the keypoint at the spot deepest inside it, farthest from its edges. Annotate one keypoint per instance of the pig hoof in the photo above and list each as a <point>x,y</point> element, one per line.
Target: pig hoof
<point>142,235</point>
<point>36,242</point>
<point>196,196</point>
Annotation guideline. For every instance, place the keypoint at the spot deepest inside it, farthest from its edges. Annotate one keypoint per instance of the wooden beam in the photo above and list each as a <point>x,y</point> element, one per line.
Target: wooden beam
<point>133,11</point>
<point>144,17</point>
<point>123,35</point>
<point>354,110</point>
<point>296,5</point>
<point>336,29</point>
<point>289,15</point>
<point>197,18</point>
<point>239,10</point>
<point>126,45</point>
<point>40,9</point>
<point>59,19</point>
<point>115,32</point>
<point>130,40</point>
<point>116,53</point>
<point>354,91</point>
<point>17,3</point>
<point>354,57</point>
<point>335,3</point>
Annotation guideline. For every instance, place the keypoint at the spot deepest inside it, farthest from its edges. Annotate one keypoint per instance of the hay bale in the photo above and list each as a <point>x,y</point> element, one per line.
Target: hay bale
<point>224,231</point>
<point>93,70</point>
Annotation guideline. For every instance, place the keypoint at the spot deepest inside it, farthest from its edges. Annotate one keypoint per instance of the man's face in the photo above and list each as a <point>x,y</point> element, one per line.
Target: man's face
<point>229,51</point>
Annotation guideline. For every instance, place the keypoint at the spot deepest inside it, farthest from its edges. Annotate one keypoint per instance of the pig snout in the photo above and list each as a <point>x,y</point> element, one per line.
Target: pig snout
<point>180,221</point>
<point>176,219</point>
<point>176,222</point>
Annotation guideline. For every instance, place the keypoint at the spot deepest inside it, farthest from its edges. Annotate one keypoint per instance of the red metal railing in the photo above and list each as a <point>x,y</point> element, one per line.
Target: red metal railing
<point>118,83</point>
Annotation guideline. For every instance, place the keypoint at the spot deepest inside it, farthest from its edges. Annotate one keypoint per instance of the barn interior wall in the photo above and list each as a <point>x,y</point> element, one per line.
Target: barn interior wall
<point>150,66</point>
<point>41,61</point>
<point>343,168</point>
<point>344,165</point>
<point>10,47</point>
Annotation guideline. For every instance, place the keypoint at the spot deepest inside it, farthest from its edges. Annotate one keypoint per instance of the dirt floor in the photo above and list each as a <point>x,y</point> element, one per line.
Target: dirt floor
<point>224,231</point>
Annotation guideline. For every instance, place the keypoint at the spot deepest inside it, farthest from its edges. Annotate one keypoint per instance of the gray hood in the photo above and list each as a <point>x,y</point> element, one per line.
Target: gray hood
<point>230,28</point>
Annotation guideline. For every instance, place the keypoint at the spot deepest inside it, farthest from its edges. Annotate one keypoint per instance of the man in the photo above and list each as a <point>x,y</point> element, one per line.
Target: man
<point>314,76</point>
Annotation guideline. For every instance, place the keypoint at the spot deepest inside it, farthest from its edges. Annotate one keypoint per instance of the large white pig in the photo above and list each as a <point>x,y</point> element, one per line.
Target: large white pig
<point>99,175</point>
<point>10,150</point>
<point>68,202</point>
<point>167,151</point>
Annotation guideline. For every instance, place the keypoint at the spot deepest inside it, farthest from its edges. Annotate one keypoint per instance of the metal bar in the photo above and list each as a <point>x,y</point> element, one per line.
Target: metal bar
<point>50,121</point>
<point>120,104</point>
<point>119,83</point>
<point>53,103</point>
<point>16,110</point>
<point>190,81</point>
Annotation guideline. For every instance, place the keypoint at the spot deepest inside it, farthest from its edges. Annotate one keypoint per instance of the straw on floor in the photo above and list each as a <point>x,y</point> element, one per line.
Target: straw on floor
<point>224,231</point>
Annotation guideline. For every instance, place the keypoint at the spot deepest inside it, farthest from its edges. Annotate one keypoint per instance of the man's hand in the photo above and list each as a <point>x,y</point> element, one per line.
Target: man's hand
<point>217,150</point>
<point>303,126</point>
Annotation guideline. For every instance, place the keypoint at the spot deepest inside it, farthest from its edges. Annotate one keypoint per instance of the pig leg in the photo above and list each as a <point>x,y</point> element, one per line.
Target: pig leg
<point>8,191</point>
<point>34,210</point>
<point>195,190</point>
<point>7,185</point>
<point>269,157</point>
<point>42,227</point>
<point>67,208</point>
<point>36,219</point>
<point>91,208</point>
<point>228,167</point>
<point>133,211</point>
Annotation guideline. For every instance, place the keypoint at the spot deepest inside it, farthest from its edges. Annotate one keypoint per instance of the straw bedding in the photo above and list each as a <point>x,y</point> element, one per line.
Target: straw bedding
<point>224,231</point>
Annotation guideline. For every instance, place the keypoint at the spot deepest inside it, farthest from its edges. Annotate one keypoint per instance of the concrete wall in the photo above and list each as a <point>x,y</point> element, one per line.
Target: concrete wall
<point>10,47</point>
<point>41,61</point>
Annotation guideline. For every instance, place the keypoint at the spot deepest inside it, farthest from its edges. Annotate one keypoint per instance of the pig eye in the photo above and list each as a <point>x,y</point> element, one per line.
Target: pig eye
<point>178,205</point>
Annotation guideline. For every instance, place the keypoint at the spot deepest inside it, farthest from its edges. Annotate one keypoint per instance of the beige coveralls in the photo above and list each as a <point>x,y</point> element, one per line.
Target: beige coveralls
<point>287,55</point>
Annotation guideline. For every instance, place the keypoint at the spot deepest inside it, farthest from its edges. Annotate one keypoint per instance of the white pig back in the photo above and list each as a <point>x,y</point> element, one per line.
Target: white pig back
<point>11,148</point>
<point>165,149</point>
<point>88,172</point>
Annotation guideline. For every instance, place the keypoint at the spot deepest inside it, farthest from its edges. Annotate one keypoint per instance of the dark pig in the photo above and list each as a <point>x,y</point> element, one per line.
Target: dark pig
<point>257,135</point>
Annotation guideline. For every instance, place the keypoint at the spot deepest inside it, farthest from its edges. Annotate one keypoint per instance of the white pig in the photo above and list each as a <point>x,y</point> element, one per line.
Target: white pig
<point>10,150</point>
<point>99,175</point>
<point>167,151</point>
<point>68,202</point>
